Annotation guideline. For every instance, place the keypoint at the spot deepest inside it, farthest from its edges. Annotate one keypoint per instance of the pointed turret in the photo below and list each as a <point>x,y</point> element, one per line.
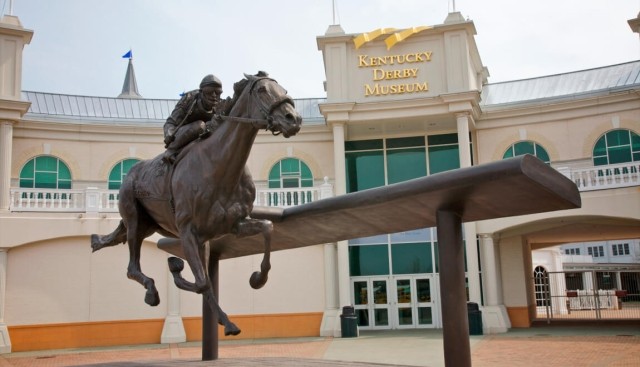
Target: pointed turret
<point>130,86</point>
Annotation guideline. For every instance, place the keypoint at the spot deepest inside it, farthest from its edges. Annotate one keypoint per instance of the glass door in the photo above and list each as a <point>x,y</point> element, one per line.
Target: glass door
<point>371,302</point>
<point>405,303</point>
<point>415,302</point>
<point>426,292</point>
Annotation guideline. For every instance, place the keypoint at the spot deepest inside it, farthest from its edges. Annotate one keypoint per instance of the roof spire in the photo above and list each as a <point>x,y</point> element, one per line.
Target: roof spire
<point>130,86</point>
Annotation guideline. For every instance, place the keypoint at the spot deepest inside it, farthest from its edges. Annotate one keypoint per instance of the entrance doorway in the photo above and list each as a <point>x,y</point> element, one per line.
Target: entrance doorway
<point>396,302</point>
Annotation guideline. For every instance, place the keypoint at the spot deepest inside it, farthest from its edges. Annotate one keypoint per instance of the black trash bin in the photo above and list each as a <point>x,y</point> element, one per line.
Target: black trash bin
<point>475,318</point>
<point>349,322</point>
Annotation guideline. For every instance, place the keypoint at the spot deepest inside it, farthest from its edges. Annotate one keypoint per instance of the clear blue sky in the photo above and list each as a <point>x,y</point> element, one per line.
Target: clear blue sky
<point>78,44</point>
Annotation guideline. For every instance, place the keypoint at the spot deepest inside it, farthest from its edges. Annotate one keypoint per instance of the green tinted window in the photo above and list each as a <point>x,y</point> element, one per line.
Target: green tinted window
<point>406,164</point>
<point>365,170</point>
<point>443,158</point>
<point>444,139</point>
<point>290,173</point>
<point>368,260</point>
<point>362,145</point>
<point>411,258</point>
<point>527,147</point>
<point>617,146</point>
<point>46,172</point>
<point>119,171</point>
<point>415,141</point>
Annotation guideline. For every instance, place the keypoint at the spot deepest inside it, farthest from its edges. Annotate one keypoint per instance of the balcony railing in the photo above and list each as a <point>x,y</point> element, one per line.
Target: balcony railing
<point>93,200</point>
<point>604,177</point>
<point>50,200</point>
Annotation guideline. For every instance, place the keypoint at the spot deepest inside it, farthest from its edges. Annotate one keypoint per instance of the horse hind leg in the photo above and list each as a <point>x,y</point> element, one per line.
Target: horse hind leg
<point>136,233</point>
<point>176,266</point>
<point>250,227</point>
<point>118,236</point>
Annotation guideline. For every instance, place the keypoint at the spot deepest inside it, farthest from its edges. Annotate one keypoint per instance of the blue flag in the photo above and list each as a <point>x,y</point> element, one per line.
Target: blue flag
<point>128,55</point>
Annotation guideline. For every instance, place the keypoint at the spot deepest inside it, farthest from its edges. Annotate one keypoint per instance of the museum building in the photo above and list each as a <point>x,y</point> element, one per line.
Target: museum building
<point>400,104</point>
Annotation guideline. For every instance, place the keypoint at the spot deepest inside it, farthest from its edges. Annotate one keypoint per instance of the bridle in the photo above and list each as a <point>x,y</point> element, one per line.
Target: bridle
<point>267,111</point>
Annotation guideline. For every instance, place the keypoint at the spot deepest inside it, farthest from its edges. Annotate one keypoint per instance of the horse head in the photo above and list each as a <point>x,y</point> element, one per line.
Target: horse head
<point>259,95</point>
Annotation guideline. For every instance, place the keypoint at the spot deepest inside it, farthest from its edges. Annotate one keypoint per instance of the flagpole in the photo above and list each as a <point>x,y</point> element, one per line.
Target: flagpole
<point>333,12</point>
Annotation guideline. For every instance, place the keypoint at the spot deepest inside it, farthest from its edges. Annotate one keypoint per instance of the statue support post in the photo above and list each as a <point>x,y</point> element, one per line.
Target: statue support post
<point>210,317</point>
<point>455,326</point>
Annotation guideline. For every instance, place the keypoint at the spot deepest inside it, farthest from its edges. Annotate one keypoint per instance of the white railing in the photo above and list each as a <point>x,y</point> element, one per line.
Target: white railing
<point>93,200</point>
<point>51,200</point>
<point>285,198</point>
<point>604,177</point>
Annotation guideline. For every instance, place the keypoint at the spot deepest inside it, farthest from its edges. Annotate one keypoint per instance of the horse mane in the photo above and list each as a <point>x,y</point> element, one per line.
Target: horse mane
<point>238,87</point>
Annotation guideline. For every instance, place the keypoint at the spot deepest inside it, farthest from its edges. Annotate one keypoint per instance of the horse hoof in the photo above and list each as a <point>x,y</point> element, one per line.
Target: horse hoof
<point>231,330</point>
<point>258,280</point>
<point>95,243</point>
<point>176,265</point>
<point>152,298</point>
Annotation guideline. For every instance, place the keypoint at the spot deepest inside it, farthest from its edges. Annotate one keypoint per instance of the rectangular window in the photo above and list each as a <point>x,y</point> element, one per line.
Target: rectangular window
<point>411,258</point>
<point>365,170</point>
<point>620,249</point>
<point>368,260</point>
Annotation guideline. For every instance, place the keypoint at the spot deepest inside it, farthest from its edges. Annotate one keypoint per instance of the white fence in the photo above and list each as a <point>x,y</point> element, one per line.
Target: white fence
<point>604,177</point>
<point>106,201</point>
<point>93,200</point>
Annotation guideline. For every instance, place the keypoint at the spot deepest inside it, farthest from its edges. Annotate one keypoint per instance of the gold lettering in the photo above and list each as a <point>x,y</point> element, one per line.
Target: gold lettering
<point>362,61</point>
<point>382,90</point>
<point>378,74</point>
<point>365,61</point>
<point>369,91</point>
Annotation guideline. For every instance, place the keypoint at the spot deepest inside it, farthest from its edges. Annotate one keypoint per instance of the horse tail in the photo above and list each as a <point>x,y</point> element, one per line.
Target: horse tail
<point>118,236</point>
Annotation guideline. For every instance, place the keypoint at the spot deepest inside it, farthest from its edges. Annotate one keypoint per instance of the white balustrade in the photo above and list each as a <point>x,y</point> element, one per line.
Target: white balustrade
<point>604,177</point>
<point>61,200</point>
<point>94,200</point>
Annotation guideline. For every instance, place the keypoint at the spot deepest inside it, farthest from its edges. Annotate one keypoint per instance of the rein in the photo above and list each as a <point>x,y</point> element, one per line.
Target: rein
<point>267,122</point>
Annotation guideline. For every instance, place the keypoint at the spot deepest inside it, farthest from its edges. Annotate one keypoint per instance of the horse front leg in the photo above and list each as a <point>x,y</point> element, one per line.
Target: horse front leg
<point>176,265</point>
<point>249,227</point>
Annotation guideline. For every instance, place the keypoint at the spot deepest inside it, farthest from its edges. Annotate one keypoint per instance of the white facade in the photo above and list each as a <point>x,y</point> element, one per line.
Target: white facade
<point>54,293</point>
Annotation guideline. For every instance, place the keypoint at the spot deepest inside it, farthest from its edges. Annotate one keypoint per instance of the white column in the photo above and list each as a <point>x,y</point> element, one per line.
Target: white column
<point>492,283</point>
<point>6,139</point>
<point>331,318</point>
<point>5,341</point>
<point>473,271</point>
<point>494,314</point>
<point>173,329</point>
<point>462,120</point>
<point>344,293</point>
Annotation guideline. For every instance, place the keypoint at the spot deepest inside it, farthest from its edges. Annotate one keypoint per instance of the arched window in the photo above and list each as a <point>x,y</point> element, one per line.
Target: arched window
<point>119,171</point>
<point>290,173</point>
<point>617,146</point>
<point>541,286</point>
<point>527,147</point>
<point>45,172</point>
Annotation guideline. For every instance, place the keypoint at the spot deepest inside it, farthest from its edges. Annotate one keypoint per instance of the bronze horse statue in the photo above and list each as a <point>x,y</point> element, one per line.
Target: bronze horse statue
<point>206,194</point>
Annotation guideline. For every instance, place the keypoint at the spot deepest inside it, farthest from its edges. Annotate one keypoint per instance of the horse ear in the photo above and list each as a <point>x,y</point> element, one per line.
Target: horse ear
<point>262,74</point>
<point>249,77</point>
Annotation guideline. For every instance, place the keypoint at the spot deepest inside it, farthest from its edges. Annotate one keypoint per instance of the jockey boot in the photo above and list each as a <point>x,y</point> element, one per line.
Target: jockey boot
<point>183,136</point>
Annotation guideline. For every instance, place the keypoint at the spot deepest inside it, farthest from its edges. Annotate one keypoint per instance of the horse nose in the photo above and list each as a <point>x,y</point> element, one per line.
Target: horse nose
<point>295,119</point>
